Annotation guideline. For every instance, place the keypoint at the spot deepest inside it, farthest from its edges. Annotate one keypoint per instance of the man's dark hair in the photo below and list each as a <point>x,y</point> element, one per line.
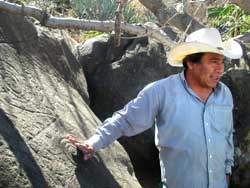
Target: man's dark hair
<point>194,58</point>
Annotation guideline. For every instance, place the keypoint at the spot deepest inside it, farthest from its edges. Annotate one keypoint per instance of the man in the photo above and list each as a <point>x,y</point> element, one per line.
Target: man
<point>192,112</point>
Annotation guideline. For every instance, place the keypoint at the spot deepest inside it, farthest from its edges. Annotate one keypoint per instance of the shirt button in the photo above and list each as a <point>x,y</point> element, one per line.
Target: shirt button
<point>210,171</point>
<point>206,123</point>
<point>210,156</point>
<point>209,140</point>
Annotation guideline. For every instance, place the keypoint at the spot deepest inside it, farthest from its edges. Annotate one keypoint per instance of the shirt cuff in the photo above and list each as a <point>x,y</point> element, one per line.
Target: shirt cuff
<point>95,141</point>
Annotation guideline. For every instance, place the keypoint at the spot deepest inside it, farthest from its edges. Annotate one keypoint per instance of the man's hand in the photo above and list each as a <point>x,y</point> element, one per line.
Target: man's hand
<point>86,149</point>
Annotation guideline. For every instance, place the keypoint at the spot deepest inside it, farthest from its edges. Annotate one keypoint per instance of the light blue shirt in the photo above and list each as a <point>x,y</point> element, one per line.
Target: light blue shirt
<point>194,138</point>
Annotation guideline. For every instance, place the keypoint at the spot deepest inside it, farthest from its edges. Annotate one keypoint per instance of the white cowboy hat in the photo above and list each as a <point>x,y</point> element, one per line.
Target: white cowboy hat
<point>204,40</point>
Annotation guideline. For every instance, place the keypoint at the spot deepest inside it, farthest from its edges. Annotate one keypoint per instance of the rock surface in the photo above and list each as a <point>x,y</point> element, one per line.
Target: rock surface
<point>43,96</point>
<point>238,81</point>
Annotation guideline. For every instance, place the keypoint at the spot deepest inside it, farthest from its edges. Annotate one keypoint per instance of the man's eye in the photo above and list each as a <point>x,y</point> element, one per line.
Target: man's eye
<point>213,61</point>
<point>216,62</point>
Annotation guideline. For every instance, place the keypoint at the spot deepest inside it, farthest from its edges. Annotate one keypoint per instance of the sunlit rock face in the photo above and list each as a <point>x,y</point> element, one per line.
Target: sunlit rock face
<point>43,97</point>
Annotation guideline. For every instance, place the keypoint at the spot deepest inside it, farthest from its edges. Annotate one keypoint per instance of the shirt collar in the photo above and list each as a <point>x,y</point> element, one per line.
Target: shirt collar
<point>183,79</point>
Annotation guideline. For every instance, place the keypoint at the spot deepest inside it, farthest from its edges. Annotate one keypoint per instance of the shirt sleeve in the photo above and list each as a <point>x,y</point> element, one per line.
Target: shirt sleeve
<point>137,116</point>
<point>229,163</point>
<point>230,150</point>
<point>230,145</point>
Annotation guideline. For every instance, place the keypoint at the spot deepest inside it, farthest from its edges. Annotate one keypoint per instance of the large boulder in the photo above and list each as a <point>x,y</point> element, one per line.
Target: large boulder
<point>238,81</point>
<point>43,96</point>
<point>99,50</point>
<point>121,72</point>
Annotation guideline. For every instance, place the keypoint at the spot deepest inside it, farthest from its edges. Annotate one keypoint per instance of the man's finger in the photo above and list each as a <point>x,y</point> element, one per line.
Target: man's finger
<point>73,139</point>
<point>84,148</point>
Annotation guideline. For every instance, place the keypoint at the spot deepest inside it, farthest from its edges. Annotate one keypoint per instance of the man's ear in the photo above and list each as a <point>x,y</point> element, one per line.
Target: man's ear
<point>190,65</point>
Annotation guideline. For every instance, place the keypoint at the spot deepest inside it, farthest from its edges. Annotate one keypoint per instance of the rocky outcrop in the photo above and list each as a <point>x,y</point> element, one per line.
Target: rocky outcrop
<point>238,80</point>
<point>97,51</point>
<point>43,96</point>
<point>120,73</point>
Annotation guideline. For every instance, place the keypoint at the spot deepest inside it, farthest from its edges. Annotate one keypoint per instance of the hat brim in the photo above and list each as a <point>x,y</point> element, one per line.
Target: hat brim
<point>230,49</point>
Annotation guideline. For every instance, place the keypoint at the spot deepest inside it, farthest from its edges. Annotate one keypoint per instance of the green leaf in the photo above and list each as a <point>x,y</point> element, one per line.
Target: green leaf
<point>214,12</point>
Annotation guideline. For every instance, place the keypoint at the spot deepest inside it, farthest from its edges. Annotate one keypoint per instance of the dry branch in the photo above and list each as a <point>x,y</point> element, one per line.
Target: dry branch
<point>103,26</point>
<point>118,17</point>
<point>169,15</point>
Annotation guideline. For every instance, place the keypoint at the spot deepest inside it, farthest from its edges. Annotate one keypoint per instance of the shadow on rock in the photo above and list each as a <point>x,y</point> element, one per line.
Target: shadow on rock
<point>93,173</point>
<point>22,154</point>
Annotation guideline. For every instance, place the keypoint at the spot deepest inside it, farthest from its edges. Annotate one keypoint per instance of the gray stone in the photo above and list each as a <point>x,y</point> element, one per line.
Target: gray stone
<point>43,97</point>
<point>99,50</point>
<point>238,81</point>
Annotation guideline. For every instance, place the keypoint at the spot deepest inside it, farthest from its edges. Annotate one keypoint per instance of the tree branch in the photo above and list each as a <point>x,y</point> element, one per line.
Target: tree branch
<point>103,26</point>
<point>169,15</point>
<point>22,10</point>
<point>118,18</point>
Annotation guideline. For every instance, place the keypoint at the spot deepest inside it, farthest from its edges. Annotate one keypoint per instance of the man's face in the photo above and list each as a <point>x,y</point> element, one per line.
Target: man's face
<point>207,73</point>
